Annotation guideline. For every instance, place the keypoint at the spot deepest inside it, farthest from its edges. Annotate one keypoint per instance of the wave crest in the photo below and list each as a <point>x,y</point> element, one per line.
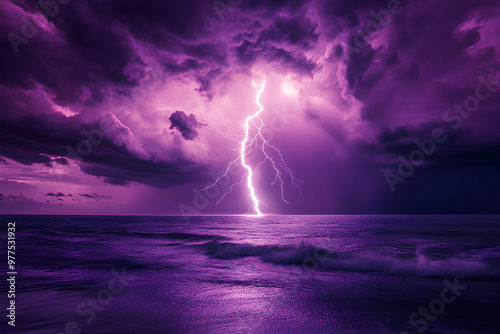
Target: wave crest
<point>312,257</point>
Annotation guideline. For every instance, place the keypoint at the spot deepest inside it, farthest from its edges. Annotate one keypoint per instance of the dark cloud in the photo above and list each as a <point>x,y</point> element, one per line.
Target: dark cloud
<point>19,197</point>
<point>59,194</point>
<point>459,147</point>
<point>16,204</point>
<point>265,6</point>
<point>36,138</point>
<point>158,21</point>
<point>282,43</point>
<point>89,55</point>
<point>416,55</point>
<point>96,56</point>
<point>87,195</point>
<point>95,196</point>
<point>185,124</point>
<point>427,59</point>
<point>61,161</point>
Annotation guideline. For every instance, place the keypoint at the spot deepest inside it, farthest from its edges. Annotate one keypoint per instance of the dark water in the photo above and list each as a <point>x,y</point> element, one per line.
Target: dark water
<point>277,274</point>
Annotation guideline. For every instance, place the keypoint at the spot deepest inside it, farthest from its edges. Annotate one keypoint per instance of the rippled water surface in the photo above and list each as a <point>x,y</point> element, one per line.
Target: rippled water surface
<point>276,274</point>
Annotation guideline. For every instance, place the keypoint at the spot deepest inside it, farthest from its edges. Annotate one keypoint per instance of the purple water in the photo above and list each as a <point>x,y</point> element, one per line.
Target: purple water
<point>276,274</point>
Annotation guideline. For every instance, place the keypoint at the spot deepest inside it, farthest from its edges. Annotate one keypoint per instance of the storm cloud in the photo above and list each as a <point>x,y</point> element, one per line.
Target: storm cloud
<point>124,92</point>
<point>185,124</point>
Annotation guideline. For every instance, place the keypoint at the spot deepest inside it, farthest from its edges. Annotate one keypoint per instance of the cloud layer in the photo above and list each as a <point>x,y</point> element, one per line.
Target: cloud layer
<point>108,86</point>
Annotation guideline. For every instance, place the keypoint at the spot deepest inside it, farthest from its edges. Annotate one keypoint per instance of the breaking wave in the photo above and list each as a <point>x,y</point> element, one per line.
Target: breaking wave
<point>311,257</point>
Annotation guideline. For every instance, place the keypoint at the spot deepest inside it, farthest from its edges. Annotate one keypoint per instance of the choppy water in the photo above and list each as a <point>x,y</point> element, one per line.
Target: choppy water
<point>276,274</point>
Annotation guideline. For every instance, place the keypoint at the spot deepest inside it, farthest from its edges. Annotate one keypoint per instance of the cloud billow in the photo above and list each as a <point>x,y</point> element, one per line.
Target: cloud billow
<point>185,124</point>
<point>374,103</point>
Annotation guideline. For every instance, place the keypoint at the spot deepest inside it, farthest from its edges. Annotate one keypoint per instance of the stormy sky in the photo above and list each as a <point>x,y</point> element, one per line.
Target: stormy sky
<point>133,107</point>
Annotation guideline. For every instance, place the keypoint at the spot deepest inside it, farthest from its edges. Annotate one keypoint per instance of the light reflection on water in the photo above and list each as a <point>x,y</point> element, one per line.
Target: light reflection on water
<point>241,274</point>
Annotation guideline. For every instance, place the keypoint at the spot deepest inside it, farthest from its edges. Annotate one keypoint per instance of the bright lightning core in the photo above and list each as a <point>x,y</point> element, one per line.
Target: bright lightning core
<point>244,146</point>
<point>252,140</point>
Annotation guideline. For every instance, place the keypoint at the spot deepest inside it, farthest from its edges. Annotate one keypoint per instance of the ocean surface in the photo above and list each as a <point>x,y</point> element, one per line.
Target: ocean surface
<point>237,274</point>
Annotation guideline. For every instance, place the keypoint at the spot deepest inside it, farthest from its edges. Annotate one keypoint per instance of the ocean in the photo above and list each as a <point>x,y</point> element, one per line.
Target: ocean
<point>241,274</point>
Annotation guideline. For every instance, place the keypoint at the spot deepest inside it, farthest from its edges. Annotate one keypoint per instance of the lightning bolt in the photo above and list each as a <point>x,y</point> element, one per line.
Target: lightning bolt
<point>245,147</point>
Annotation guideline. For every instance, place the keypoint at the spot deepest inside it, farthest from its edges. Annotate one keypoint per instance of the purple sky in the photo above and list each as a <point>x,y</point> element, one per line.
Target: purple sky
<point>129,107</point>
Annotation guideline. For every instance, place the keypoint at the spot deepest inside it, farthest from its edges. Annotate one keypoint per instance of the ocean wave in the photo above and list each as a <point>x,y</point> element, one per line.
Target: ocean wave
<point>189,237</point>
<point>193,237</point>
<point>311,257</point>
